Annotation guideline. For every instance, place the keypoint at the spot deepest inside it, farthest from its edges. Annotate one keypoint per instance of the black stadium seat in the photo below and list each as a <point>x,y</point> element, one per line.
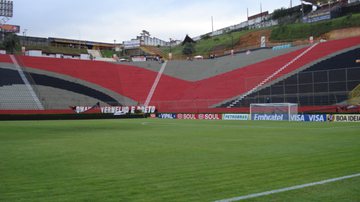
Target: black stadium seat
<point>9,77</point>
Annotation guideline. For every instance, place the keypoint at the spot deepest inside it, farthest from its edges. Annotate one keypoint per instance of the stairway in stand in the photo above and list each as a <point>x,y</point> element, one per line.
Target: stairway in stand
<point>153,50</point>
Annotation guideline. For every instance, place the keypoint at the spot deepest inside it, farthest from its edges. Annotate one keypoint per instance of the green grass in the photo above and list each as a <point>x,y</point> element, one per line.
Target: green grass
<point>54,50</point>
<point>108,53</point>
<point>284,33</point>
<point>205,47</point>
<point>176,160</point>
<point>304,30</point>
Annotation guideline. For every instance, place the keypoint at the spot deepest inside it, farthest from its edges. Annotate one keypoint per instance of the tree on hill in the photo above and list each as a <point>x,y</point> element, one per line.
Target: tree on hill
<point>11,43</point>
<point>189,49</point>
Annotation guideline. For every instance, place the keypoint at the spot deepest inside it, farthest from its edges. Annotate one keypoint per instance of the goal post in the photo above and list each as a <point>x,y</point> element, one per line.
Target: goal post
<point>273,111</point>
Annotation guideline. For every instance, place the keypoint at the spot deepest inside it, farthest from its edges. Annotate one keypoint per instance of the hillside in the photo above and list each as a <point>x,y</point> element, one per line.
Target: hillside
<point>298,33</point>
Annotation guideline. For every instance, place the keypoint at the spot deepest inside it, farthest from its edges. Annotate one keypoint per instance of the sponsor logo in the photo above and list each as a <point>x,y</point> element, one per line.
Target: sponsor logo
<point>209,116</point>
<point>186,116</point>
<point>237,117</point>
<point>128,109</point>
<point>200,116</point>
<point>331,118</point>
<point>167,116</point>
<point>309,117</point>
<point>347,118</point>
<point>268,117</point>
<point>119,109</point>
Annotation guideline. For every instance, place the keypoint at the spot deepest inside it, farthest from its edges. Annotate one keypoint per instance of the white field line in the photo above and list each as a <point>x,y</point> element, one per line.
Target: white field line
<point>155,84</point>
<point>288,188</point>
<point>244,126</point>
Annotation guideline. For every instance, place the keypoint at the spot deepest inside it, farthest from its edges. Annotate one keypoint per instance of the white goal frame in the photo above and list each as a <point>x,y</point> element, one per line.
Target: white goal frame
<point>273,111</point>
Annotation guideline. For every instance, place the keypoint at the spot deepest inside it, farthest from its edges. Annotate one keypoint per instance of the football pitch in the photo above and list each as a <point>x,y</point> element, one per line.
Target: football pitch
<point>177,160</point>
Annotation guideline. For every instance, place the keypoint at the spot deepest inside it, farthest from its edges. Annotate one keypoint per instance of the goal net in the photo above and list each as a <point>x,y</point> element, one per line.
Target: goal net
<point>273,111</point>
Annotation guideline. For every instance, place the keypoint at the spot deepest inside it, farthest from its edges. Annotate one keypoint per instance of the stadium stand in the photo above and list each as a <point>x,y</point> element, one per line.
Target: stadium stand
<point>14,94</point>
<point>325,83</point>
<point>202,69</point>
<point>55,91</point>
<point>132,82</point>
<point>9,77</point>
<point>61,99</point>
<point>94,53</point>
<point>5,59</point>
<point>206,92</point>
<point>185,85</point>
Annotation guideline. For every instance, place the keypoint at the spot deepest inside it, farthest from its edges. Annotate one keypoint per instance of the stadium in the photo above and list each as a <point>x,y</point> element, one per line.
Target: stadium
<point>264,110</point>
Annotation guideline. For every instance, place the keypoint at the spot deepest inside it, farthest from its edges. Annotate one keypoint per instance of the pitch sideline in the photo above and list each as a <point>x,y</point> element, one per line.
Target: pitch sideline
<point>147,123</point>
<point>288,188</point>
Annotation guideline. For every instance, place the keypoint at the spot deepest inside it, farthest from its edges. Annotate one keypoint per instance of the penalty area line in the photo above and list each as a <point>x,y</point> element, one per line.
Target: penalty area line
<point>288,188</point>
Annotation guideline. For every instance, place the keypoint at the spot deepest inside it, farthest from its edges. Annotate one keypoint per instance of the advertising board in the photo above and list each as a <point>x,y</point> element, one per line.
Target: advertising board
<point>166,116</point>
<point>309,117</point>
<point>200,116</point>
<point>236,117</point>
<point>344,117</point>
<point>118,110</point>
<point>10,28</point>
<point>269,117</point>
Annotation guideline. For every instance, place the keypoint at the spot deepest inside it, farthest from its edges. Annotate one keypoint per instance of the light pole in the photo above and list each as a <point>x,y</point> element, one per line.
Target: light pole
<point>302,9</point>
<point>170,53</point>
<point>170,44</point>
<point>232,44</point>
<point>212,24</point>
<point>24,35</point>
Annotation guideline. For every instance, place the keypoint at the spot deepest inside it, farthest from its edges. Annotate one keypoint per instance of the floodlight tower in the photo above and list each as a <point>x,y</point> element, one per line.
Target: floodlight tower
<point>6,11</point>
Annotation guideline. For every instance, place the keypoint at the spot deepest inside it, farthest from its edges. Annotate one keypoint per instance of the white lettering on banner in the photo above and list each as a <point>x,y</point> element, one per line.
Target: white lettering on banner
<point>317,118</point>
<point>298,117</point>
<point>309,117</point>
<point>186,116</point>
<point>146,109</point>
<point>167,116</point>
<point>113,110</point>
<point>119,109</point>
<point>132,109</point>
<point>200,116</point>
<point>81,109</point>
<point>209,116</point>
<point>265,117</point>
<point>238,117</point>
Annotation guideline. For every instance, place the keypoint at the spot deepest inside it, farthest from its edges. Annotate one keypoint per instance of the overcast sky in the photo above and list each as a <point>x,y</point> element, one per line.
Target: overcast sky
<point>120,20</point>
